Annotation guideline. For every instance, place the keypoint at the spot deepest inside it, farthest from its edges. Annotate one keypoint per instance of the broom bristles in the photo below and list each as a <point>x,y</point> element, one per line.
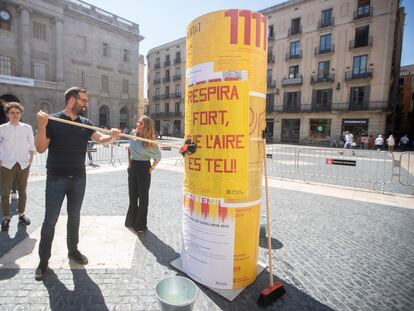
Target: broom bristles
<point>271,293</point>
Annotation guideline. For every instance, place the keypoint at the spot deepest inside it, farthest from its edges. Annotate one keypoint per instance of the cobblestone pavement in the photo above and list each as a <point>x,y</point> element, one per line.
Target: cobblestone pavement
<point>331,254</point>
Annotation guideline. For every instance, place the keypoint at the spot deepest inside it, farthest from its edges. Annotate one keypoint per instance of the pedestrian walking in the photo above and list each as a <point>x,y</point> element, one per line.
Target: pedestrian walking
<point>379,143</point>
<point>16,155</point>
<point>349,142</point>
<point>390,142</point>
<point>139,174</point>
<point>66,175</point>
<point>364,141</point>
<point>404,142</point>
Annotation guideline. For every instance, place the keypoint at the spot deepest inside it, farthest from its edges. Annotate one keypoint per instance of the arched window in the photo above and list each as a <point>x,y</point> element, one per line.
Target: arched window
<point>45,106</point>
<point>104,116</point>
<point>123,118</point>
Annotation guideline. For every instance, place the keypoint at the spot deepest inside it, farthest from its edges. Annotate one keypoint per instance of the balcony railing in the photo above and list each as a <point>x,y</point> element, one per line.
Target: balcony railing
<point>176,77</point>
<point>166,79</point>
<point>177,61</point>
<point>176,95</point>
<point>290,55</point>
<point>363,11</point>
<point>363,106</point>
<point>326,22</point>
<point>157,81</point>
<point>295,30</point>
<point>324,50</point>
<point>323,78</point>
<point>270,58</point>
<point>291,107</point>
<point>320,107</point>
<point>360,43</point>
<point>166,96</point>
<point>157,65</point>
<point>271,84</point>
<point>270,108</point>
<point>353,75</point>
<point>156,97</point>
<point>166,114</point>
<point>167,63</point>
<point>295,80</point>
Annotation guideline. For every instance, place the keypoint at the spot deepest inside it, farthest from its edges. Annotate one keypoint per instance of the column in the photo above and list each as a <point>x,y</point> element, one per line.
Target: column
<point>25,56</point>
<point>59,49</point>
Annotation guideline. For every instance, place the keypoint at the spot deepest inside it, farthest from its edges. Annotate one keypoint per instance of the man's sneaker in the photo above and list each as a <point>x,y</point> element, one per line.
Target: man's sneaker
<point>77,257</point>
<point>23,220</point>
<point>14,196</point>
<point>5,224</point>
<point>41,270</point>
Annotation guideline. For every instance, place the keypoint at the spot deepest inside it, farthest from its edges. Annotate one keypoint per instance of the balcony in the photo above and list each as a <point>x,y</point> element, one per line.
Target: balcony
<point>270,103</point>
<point>360,43</point>
<point>326,22</point>
<point>297,55</point>
<point>295,30</point>
<point>156,97</point>
<point>166,114</point>
<point>295,107</point>
<point>353,75</point>
<point>167,63</point>
<point>323,78</point>
<point>176,95</point>
<point>324,50</point>
<point>362,106</point>
<point>176,77</point>
<point>271,84</point>
<point>270,58</point>
<point>292,80</point>
<point>270,107</point>
<point>166,79</point>
<point>362,12</point>
<point>157,65</point>
<point>166,96</point>
<point>177,61</point>
<point>320,107</point>
<point>157,81</point>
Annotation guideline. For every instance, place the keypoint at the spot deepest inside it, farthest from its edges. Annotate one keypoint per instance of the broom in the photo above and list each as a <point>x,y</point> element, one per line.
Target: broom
<point>274,290</point>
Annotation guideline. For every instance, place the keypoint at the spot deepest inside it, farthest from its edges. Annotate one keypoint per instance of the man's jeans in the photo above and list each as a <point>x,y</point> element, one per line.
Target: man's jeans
<point>57,187</point>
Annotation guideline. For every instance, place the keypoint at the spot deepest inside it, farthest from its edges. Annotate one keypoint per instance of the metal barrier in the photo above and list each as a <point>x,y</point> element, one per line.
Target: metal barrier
<point>406,169</point>
<point>333,166</point>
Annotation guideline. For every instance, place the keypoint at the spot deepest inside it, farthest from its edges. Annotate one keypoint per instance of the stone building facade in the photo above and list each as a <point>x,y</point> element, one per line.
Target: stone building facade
<point>48,46</point>
<point>405,102</point>
<point>166,87</point>
<point>332,66</point>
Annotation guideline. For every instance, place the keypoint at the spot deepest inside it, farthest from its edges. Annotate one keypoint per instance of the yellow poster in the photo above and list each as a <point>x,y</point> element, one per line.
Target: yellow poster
<point>218,113</point>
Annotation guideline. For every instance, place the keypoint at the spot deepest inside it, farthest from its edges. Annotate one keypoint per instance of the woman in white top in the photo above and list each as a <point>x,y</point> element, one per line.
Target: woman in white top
<point>391,143</point>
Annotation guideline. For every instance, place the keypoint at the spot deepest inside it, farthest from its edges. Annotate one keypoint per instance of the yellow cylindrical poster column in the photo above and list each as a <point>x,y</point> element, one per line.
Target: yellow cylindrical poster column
<point>224,116</point>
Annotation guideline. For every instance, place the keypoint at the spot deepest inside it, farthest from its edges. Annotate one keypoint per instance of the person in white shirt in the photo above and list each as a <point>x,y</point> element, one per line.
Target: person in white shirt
<point>16,154</point>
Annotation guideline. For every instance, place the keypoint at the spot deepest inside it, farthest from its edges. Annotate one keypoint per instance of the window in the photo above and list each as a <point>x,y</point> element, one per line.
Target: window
<point>123,118</point>
<point>359,67</point>
<point>325,43</point>
<point>125,55</point>
<point>291,101</point>
<point>320,128</point>
<point>157,108</point>
<point>177,58</point>
<point>167,107</point>
<point>39,71</point>
<point>81,42</point>
<point>105,49</point>
<point>294,72</point>
<point>82,78</point>
<point>295,26</point>
<point>157,63</point>
<point>177,107</point>
<point>157,91</point>
<point>167,92</point>
<point>295,49</point>
<point>269,77</point>
<point>270,33</point>
<point>177,71</point>
<point>157,76</point>
<point>322,100</point>
<point>363,9</point>
<point>177,89</point>
<point>323,70</point>
<point>167,60</point>
<point>104,116</point>
<point>39,31</point>
<point>5,20</point>
<point>361,36</point>
<point>167,75</point>
<point>326,18</point>
<point>359,97</point>
<point>5,66</point>
<point>125,86</point>
<point>105,83</point>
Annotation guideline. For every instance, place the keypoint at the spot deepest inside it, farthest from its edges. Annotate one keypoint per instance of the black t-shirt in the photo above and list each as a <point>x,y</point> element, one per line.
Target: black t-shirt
<point>67,146</point>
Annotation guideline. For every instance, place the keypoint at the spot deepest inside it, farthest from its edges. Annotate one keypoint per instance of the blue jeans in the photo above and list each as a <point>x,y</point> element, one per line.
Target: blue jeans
<point>57,187</point>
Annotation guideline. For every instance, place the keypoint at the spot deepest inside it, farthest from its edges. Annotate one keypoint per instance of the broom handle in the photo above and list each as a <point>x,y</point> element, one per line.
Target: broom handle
<point>269,233</point>
<point>95,128</point>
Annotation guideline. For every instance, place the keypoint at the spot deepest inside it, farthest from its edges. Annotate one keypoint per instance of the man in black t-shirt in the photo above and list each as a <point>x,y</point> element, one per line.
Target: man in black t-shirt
<point>66,174</point>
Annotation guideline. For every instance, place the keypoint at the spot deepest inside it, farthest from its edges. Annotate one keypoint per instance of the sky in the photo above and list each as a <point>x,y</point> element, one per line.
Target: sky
<point>162,21</point>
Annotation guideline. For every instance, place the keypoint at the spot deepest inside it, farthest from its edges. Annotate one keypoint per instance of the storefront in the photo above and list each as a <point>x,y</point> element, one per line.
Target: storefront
<point>269,129</point>
<point>356,127</point>
<point>320,129</point>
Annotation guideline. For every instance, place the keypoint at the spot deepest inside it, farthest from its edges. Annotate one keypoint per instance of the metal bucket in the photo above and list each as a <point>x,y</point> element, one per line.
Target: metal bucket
<point>176,293</point>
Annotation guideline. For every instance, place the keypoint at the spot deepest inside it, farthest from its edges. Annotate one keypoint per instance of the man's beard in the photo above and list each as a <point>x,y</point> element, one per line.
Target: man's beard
<point>80,111</point>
